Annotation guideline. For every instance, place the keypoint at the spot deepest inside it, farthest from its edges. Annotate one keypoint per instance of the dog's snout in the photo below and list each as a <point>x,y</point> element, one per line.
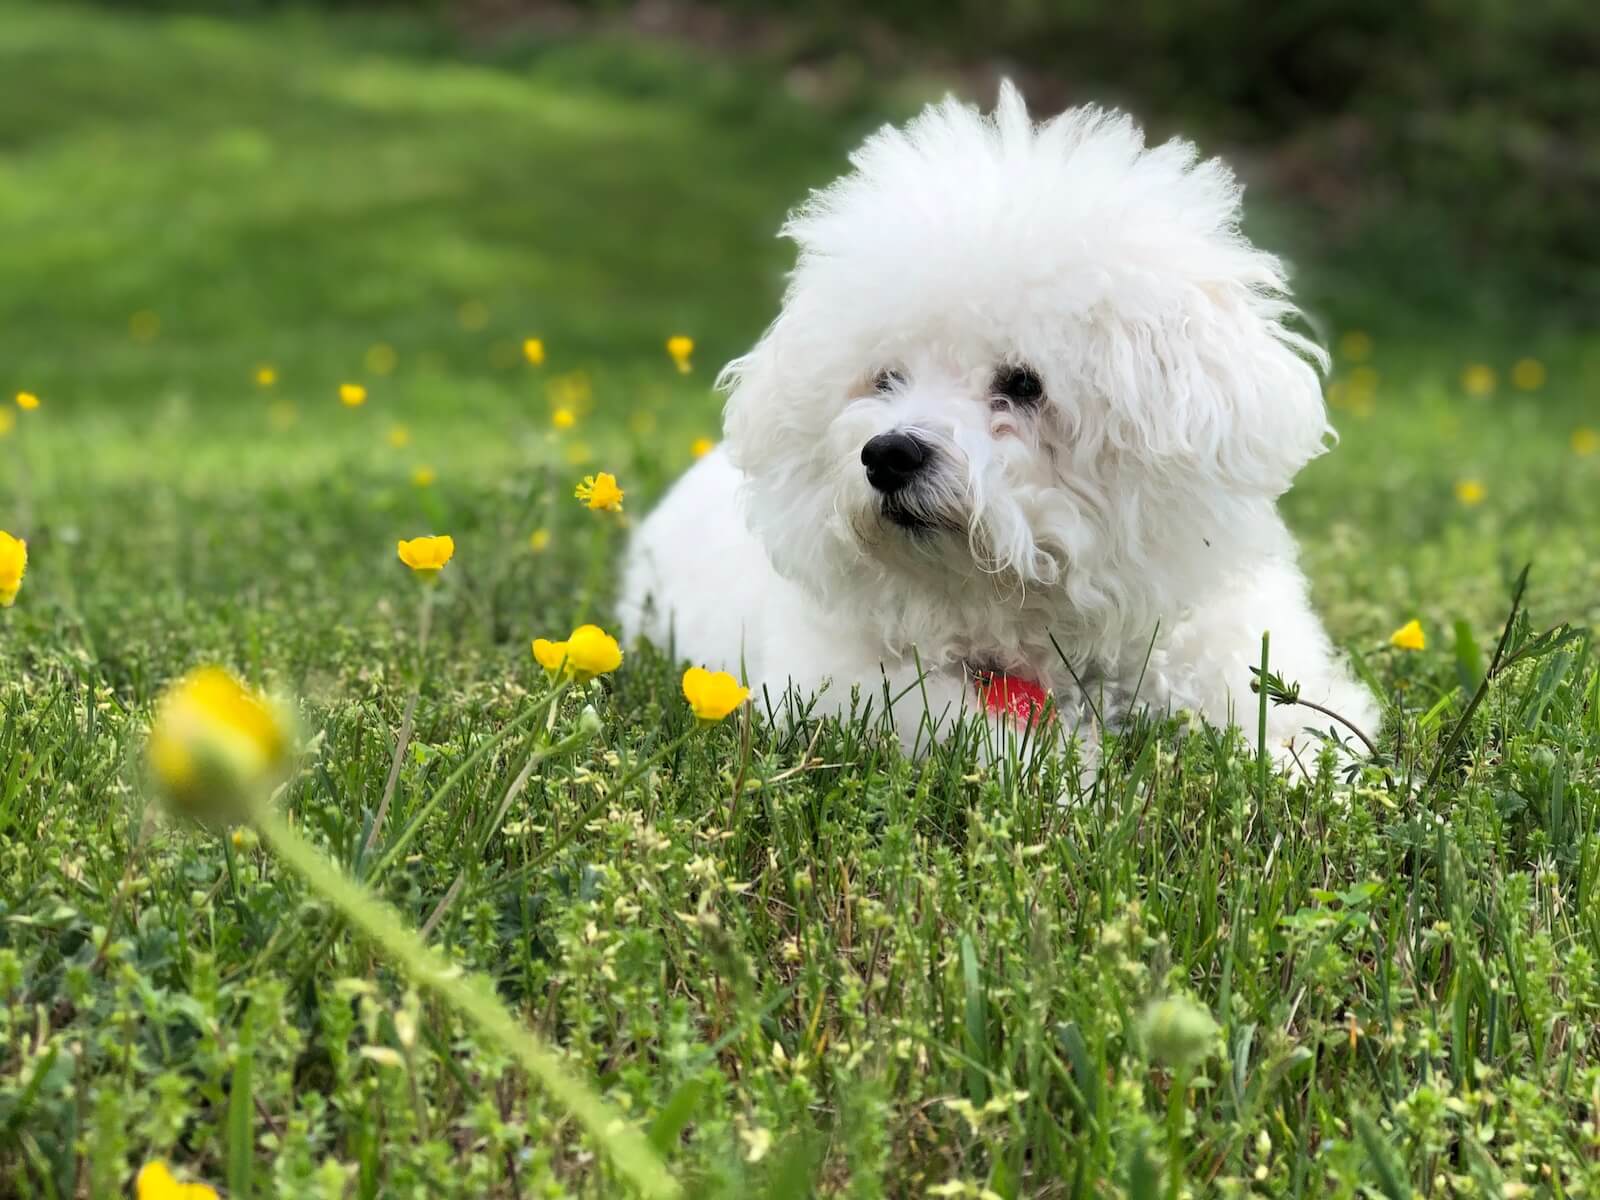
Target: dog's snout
<point>893,460</point>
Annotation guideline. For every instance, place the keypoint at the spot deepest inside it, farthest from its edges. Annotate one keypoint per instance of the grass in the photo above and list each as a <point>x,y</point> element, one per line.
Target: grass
<point>797,961</point>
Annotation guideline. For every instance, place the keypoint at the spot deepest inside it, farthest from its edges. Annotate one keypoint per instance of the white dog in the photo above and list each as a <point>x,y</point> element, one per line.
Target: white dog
<point>1019,428</point>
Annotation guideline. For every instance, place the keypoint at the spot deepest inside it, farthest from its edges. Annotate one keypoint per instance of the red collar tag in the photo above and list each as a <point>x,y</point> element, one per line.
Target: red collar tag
<point>1010,695</point>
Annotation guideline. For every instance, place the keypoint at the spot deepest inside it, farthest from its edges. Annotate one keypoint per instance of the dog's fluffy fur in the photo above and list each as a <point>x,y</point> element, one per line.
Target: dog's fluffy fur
<point>1134,501</point>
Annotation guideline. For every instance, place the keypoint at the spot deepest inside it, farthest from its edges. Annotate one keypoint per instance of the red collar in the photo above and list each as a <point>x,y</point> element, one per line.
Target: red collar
<point>1011,695</point>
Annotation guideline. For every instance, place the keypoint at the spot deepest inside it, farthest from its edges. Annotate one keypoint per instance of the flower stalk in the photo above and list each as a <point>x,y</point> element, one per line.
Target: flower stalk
<point>473,997</point>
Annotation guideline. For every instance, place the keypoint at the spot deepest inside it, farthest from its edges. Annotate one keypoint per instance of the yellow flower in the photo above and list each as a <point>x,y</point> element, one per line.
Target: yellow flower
<point>266,376</point>
<point>427,555</point>
<point>381,358</point>
<point>1527,375</point>
<point>216,742</point>
<point>352,395</point>
<point>1355,346</point>
<point>1471,492</point>
<point>1478,380</point>
<point>399,437</point>
<point>8,421</point>
<point>539,540</point>
<point>592,651</point>
<point>563,418</point>
<point>600,492</point>
<point>13,566</point>
<point>702,446</point>
<point>1409,636</point>
<point>27,401</point>
<point>1585,441</point>
<point>155,1182</point>
<point>424,476</point>
<point>144,325</point>
<point>680,348</point>
<point>712,694</point>
<point>552,656</point>
<point>533,351</point>
<point>587,652</point>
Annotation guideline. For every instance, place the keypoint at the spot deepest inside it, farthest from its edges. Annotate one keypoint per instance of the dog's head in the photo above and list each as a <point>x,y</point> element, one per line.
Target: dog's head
<point>1016,358</point>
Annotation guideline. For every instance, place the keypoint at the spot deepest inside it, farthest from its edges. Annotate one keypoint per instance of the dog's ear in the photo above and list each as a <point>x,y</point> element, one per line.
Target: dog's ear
<point>1217,384</point>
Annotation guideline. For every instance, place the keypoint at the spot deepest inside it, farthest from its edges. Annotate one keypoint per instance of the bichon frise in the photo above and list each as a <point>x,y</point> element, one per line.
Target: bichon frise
<point>1018,429</point>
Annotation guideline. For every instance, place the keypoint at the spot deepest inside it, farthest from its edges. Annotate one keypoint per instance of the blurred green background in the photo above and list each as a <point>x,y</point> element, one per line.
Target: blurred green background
<point>1453,142</point>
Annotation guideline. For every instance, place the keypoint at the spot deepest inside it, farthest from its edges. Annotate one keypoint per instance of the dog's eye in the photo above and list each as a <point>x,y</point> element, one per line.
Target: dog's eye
<point>887,380</point>
<point>1020,385</point>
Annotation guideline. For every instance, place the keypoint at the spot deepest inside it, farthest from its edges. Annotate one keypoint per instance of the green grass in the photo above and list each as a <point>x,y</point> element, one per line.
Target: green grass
<point>800,961</point>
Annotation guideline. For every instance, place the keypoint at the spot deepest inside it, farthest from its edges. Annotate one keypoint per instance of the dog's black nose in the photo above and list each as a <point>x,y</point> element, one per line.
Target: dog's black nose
<point>893,460</point>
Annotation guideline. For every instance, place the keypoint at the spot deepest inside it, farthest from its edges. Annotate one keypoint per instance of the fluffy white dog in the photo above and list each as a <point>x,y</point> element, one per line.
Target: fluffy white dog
<point>1019,428</point>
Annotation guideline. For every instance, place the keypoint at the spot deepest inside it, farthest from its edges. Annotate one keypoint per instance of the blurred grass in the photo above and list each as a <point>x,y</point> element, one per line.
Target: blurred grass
<point>294,191</point>
<point>297,204</point>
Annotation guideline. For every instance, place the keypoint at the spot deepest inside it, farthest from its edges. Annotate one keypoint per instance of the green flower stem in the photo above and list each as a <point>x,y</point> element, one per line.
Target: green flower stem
<point>1176,1096</point>
<point>473,997</point>
<point>424,623</point>
<point>412,828</point>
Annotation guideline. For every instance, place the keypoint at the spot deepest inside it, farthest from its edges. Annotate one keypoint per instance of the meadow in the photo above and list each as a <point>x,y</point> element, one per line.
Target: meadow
<point>793,960</point>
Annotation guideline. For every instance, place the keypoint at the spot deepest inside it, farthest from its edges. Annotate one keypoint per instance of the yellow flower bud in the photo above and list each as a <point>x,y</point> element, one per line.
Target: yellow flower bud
<point>156,1182</point>
<point>427,555</point>
<point>1409,636</point>
<point>592,651</point>
<point>587,652</point>
<point>13,566</point>
<point>680,347</point>
<point>552,656</point>
<point>216,745</point>
<point>712,694</point>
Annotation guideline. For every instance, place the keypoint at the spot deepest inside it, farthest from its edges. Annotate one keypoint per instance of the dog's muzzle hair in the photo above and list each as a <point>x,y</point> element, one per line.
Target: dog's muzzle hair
<point>907,472</point>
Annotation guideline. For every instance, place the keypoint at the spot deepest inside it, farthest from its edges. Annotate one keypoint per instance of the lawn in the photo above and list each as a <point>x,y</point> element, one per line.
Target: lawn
<point>801,963</point>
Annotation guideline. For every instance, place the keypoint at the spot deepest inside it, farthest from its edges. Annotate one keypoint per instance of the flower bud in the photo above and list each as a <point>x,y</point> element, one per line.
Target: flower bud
<point>217,746</point>
<point>1179,1032</point>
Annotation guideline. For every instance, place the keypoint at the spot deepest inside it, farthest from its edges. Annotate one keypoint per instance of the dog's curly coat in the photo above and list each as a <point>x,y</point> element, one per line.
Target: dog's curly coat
<point>1094,401</point>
